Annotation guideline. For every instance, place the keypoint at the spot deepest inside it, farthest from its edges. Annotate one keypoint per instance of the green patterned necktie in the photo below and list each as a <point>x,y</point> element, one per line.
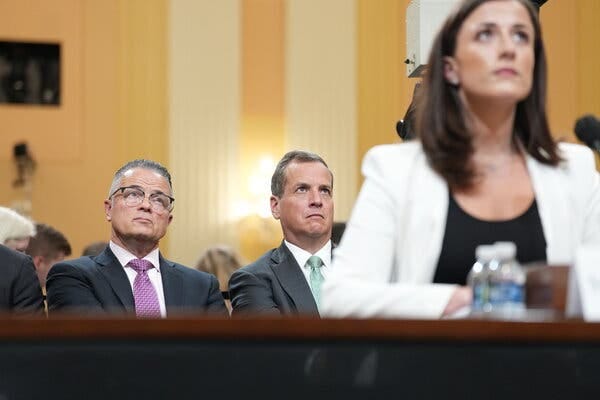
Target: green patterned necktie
<point>316,277</point>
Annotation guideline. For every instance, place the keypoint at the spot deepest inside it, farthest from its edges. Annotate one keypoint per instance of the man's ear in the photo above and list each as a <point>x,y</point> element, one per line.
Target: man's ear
<point>37,261</point>
<point>108,209</point>
<point>451,71</point>
<point>275,207</point>
<point>170,218</point>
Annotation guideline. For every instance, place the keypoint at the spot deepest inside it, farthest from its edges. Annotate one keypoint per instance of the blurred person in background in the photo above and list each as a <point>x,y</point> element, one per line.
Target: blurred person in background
<point>94,248</point>
<point>46,248</point>
<point>20,291</point>
<point>15,229</point>
<point>221,261</point>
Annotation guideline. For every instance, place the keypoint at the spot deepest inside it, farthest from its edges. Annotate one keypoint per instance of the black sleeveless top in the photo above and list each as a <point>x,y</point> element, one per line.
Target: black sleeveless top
<point>464,233</point>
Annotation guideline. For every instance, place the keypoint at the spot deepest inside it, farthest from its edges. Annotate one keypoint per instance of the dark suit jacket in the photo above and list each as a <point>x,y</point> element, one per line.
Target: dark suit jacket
<point>20,290</point>
<point>100,285</point>
<point>274,284</point>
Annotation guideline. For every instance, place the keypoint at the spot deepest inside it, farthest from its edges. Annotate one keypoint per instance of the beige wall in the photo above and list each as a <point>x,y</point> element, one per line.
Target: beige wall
<point>204,104</point>
<point>321,89</point>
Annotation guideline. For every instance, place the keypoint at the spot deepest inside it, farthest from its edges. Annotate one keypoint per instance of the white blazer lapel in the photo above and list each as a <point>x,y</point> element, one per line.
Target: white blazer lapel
<point>425,219</point>
<point>553,205</point>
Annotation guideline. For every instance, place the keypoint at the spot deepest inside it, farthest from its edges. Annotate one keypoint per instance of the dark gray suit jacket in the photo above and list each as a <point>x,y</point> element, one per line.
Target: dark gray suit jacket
<point>100,285</point>
<point>274,284</point>
<point>20,290</point>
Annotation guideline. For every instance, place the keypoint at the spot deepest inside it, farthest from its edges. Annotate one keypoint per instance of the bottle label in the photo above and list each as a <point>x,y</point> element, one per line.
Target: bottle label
<point>480,296</point>
<point>507,294</point>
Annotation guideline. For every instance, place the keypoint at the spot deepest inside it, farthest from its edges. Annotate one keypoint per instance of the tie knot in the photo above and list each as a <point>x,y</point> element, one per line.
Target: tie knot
<point>314,262</point>
<point>140,265</point>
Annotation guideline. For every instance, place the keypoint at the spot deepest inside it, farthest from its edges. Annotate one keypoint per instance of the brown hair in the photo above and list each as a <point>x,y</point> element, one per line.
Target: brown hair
<point>279,177</point>
<point>440,122</point>
<point>48,242</point>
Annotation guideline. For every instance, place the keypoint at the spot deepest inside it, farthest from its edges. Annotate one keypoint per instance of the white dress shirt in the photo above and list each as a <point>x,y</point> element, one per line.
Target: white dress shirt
<point>302,256</point>
<point>124,257</point>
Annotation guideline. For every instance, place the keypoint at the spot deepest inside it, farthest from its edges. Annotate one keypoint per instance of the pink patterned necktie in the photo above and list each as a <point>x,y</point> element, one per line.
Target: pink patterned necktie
<point>144,295</point>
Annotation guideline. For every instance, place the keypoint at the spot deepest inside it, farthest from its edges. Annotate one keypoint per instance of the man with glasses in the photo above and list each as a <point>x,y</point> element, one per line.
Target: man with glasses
<point>130,276</point>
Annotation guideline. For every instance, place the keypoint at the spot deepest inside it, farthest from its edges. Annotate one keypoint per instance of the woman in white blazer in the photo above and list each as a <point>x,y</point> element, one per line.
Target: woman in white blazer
<point>485,168</point>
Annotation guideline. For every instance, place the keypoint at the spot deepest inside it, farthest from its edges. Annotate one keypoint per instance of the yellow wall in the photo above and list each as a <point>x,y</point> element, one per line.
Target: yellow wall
<point>79,145</point>
<point>571,33</point>
<point>143,106</point>
<point>262,114</point>
<point>588,53</point>
<point>384,91</point>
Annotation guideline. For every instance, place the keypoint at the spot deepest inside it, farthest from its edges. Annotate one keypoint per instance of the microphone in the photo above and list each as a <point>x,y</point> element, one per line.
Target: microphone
<point>587,129</point>
<point>405,128</point>
<point>400,129</point>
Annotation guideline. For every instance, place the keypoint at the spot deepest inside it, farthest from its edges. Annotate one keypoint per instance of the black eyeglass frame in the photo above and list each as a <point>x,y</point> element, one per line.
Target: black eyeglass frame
<point>123,188</point>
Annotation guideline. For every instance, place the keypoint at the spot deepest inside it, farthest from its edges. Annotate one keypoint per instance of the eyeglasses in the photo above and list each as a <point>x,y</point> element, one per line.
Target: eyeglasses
<point>135,195</point>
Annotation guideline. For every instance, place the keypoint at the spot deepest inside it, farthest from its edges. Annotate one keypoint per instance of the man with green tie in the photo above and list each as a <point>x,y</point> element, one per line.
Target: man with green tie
<point>287,280</point>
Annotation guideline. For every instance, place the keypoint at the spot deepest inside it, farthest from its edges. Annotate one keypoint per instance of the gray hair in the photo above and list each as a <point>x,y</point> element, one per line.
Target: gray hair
<point>140,163</point>
<point>279,178</point>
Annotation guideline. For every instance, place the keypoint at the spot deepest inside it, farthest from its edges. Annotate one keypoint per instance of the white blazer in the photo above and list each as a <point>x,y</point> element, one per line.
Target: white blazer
<point>386,261</point>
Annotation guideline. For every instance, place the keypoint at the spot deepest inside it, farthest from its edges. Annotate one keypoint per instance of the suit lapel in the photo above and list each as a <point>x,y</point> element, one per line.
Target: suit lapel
<point>423,210</point>
<point>292,280</point>
<point>172,285</point>
<point>117,278</point>
<point>551,199</point>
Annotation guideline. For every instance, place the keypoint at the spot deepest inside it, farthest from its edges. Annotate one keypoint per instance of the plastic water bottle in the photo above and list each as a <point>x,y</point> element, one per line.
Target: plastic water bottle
<point>506,283</point>
<point>478,279</point>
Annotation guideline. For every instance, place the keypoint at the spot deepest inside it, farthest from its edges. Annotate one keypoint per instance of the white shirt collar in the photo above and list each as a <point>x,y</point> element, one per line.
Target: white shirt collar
<point>302,255</point>
<point>124,256</point>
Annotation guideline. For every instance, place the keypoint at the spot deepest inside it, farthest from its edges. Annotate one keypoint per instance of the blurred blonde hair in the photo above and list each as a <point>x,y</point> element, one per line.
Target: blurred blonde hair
<point>221,261</point>
<point>14,225</point>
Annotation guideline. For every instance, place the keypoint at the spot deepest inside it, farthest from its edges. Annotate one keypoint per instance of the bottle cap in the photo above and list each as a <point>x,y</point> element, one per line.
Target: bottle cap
<point>485,252</point>
<point>506,250</point>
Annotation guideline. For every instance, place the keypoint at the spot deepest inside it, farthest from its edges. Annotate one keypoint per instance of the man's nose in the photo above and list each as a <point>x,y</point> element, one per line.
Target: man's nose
<point>315,198</point>
<point>145,204</point>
